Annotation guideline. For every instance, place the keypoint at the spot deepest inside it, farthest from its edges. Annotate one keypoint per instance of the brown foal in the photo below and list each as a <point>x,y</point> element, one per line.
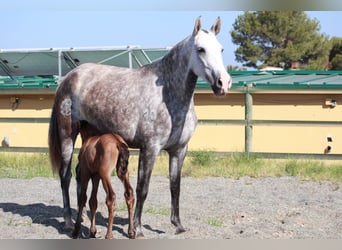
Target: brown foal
<point>98,157</point>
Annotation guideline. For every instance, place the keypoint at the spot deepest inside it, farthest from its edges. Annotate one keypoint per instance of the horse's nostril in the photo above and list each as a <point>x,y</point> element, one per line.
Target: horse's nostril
<point>219,83</point>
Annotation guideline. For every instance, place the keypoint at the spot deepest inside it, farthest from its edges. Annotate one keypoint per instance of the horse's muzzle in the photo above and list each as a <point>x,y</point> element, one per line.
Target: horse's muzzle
<point>223,84</point>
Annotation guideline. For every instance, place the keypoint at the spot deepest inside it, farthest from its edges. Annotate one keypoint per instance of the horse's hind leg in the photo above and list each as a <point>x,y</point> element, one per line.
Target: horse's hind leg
<point>65,177</point>
<point>78,189</point>
<point>81,203</point>
<point>68,132</point>
<point>176,162</point>
<point>93,205</point>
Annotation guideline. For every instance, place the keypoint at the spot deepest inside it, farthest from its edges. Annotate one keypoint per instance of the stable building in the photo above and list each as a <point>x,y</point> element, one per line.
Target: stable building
<point>266,112</point>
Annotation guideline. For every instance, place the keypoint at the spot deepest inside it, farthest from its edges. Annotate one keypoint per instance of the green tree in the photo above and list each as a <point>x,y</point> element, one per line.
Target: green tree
<point>335,55</point>
<point>278,38</point>
<point>235,68</point>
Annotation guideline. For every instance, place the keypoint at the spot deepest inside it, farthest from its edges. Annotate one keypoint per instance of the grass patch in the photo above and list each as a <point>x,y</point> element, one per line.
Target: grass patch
<point>199,164</point>
<point>160,211</point>
<point>27,165</point>
<point>121,207</point>
<point>240,165</point>
<point>14,165</point>
<point>234,166</point>
<point>314,170</point>
<point>215,222</point>
<point>202,158</point>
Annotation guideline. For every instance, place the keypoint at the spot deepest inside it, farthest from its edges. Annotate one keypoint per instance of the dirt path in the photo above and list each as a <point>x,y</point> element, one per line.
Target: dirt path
<point>211,208</point>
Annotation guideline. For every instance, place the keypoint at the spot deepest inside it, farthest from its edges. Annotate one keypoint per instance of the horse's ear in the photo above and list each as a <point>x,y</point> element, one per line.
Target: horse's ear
<point>197,25</point>
<point>217,26</point>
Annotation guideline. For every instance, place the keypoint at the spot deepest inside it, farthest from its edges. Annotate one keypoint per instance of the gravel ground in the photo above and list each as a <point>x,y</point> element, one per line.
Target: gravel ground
<point>211,208</point>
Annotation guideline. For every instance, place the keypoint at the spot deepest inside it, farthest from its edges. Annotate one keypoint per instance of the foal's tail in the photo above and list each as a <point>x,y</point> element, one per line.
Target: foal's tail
<point>54,142</point>
<point>122,164</point>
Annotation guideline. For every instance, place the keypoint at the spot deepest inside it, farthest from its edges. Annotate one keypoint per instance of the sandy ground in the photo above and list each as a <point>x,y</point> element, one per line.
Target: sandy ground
<point>211,208</point>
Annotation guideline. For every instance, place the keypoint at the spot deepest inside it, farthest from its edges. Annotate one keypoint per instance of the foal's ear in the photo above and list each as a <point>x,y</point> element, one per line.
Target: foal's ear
<point>197,26</point>
<point>217,26</point>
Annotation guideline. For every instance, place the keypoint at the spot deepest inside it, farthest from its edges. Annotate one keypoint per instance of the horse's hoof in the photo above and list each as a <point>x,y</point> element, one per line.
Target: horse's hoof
<point>75,235</point>
<point>139,235</point>
<point>180,230</point>
<point>69,226</point>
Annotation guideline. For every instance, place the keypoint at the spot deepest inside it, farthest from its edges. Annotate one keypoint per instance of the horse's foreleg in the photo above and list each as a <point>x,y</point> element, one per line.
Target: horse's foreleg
<point>93,205</point>
<point>176,163</point>
<point>146,162</point>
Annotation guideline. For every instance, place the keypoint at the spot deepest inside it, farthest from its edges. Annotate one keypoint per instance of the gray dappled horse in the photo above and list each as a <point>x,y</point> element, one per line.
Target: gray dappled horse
<point>152,108</point>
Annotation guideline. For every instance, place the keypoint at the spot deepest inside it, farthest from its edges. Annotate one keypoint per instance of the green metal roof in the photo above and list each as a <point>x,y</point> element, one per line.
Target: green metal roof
<point>59,61</point>
<point>255,80</point>
<point>39,69</point>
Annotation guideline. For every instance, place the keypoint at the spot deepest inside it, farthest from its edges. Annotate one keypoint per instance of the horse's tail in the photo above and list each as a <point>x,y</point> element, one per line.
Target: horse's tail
<point>54,142</point>
<point>122,164</point>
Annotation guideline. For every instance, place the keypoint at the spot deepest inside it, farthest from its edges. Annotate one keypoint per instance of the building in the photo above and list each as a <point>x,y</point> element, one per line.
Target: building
<point>273,112</point>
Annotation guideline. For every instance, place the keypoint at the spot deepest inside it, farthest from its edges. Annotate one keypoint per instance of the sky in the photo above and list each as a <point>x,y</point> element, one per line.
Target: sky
<point>43,24</point>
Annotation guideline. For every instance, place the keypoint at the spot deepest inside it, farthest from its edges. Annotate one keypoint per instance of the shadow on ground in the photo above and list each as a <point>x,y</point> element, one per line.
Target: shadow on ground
<point>51,216</point>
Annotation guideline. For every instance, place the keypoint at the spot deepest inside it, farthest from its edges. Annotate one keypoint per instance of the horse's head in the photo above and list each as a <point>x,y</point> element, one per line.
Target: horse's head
<point>206,59</point>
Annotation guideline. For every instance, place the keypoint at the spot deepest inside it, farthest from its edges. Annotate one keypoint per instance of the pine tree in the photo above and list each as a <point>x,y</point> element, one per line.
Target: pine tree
<point>279,38</point>
<point>335,55</point>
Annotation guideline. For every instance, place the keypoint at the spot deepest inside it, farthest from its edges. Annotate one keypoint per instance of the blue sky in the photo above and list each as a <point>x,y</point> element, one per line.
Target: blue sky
<point>44,25</point>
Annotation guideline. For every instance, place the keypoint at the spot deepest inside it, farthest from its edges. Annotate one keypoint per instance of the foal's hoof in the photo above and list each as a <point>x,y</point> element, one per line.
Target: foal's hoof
<point>131,235</point>
<point>109,236</point>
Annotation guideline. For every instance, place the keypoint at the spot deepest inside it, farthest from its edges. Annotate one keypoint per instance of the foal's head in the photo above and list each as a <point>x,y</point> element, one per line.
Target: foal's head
<point>206,60</point>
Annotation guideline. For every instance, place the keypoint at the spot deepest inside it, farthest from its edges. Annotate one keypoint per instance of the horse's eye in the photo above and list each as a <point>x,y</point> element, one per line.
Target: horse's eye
<point>200,50</point>
<point>222,50</point>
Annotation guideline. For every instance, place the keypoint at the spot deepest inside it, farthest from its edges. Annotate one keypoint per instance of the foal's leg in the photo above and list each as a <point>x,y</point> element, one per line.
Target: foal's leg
<point>176,162</point>
<point>110,202</point>
<point>146,162</point>
<point>93,205</point>
<point>78,181</point>
<point>129,197</point>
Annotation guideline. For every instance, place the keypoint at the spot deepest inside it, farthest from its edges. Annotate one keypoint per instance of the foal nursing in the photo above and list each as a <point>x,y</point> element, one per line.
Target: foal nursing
<point>98,157</point>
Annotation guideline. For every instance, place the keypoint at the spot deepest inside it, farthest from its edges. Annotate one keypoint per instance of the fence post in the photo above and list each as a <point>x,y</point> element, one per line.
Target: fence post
<point>60,65</point>
<point>248,119</point>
